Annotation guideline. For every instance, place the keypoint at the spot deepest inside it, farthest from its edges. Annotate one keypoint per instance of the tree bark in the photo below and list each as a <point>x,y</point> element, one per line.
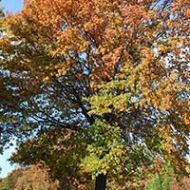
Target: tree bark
<point>100,183</point>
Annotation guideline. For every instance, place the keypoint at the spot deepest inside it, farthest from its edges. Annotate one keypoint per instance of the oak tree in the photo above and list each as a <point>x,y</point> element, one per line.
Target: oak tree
<point>116,68</point>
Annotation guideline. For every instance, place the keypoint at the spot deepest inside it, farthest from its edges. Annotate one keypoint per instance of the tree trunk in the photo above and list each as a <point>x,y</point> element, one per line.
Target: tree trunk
<point>100,183</point>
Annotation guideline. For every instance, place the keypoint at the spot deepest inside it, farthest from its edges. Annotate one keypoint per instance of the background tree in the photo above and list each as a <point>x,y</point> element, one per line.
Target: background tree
<point>116,65</point>
<point>35,177</point>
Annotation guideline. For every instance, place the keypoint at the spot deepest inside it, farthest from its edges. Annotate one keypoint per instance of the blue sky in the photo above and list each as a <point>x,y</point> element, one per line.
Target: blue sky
<point>12,5</point>
<point>4,164</point>
<point>9,6</point>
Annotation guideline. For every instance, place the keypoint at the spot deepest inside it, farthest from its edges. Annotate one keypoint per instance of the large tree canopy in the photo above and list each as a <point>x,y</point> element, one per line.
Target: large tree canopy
<point>114,70</point>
